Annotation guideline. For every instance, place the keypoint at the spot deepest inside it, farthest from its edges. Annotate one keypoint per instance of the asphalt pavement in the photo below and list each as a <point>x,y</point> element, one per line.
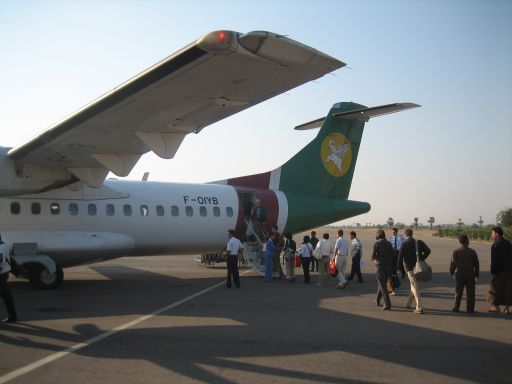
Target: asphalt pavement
<point>167,319</point>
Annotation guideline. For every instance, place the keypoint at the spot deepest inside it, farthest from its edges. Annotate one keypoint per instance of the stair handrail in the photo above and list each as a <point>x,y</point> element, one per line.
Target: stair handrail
<point>251,229</point>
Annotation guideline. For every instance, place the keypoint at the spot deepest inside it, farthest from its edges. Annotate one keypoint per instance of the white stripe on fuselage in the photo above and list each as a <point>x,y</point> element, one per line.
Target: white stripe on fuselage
<point>83,238</point>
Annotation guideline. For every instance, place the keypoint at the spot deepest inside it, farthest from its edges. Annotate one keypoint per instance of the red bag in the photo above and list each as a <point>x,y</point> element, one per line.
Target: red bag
<point>333,271</point>
<point>297,261</point>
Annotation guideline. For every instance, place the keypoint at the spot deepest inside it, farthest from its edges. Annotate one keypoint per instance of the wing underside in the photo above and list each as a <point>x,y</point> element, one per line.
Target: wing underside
<point>218,75</point>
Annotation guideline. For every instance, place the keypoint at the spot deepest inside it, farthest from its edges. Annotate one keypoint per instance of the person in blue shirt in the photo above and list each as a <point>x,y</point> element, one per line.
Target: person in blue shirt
<point>396,241</point>
<point>269,253</point>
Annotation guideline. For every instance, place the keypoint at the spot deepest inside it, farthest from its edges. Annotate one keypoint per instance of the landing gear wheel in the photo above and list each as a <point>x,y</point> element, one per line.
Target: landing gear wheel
<point>42,279</point>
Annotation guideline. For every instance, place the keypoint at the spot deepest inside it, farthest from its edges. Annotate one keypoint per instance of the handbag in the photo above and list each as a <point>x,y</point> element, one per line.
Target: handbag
<point>395,281</point>
<point>297,261</point>
<point>288,254</point>
<point>317,254</point>
<point>422,271</point>
<point>333,271</point>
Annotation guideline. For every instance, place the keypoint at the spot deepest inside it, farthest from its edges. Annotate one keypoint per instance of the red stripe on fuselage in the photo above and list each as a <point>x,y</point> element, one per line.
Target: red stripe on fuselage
<point>259,181</point>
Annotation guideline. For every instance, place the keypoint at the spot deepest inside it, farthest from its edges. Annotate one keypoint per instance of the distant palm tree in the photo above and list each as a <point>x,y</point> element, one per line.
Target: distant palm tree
<point>390,222</point>
<point>415,223</point>
<point>432,220</point>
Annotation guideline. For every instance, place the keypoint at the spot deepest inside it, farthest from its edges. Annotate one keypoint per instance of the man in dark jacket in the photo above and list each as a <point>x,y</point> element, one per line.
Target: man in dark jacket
<point>383,255</point>
<point>407,261</point>
<point>501,272</point>
<point>465,261</point>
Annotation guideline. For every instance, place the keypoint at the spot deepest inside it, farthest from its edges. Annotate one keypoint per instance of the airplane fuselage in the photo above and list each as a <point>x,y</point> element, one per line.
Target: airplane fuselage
<point>130,218</point>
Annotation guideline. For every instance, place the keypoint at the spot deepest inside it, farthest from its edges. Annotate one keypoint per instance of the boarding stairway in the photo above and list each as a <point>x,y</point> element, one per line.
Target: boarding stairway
<point>254,249</point>
<point>253,255</point>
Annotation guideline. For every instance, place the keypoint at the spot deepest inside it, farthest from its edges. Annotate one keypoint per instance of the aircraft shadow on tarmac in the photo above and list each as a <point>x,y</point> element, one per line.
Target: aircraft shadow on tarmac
<point>289,323</point>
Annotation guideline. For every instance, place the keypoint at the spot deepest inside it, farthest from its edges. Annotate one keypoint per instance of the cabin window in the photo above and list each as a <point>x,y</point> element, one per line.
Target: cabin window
<point>54,208</point>
<point>189,211</point>
<point>110,210</point>
<point>144,210</point>
<point>229,212</point>
<point>15,208</point>
<point>216,211</point>
<point>202,211</point>
<point>73,209</point>
<point>92,210</point>
<point>127,209</point>
<point>35,208</point>
<point>175,211</point>
<point>160,210</point>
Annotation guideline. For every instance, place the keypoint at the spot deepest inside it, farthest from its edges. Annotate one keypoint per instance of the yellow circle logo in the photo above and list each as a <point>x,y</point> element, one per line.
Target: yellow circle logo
<point>336,153</point>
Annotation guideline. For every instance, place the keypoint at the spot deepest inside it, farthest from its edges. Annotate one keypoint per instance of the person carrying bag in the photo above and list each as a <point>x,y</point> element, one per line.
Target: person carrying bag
<point>422,271</point>
<point>411,254</point>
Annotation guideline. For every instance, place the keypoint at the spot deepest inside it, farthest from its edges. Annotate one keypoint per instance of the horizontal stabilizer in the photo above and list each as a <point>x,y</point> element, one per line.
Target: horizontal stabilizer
<point>366,114</point>
<point>312,124</point>
<point>363,114</point>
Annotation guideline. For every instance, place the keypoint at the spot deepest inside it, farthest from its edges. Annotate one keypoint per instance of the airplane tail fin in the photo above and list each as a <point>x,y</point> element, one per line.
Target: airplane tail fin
<point>315,183</point>
<point>325,167</point>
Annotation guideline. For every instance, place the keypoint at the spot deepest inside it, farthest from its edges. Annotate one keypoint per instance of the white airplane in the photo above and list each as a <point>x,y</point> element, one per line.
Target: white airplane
<point>57,209</point>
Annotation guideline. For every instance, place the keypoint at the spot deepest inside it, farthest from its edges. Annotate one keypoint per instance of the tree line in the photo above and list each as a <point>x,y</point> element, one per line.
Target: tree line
<point>475,232</point>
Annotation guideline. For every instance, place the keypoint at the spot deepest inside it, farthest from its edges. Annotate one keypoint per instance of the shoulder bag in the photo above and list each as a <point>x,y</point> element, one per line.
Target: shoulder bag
<point>333,271</point>
<point>422,271</point>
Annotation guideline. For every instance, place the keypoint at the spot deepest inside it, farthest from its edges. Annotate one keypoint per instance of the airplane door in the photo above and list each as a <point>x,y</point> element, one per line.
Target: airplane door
<point>259,209</point>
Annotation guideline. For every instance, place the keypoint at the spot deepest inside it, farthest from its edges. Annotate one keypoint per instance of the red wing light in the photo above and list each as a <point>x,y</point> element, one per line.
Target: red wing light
<point>217,41</point>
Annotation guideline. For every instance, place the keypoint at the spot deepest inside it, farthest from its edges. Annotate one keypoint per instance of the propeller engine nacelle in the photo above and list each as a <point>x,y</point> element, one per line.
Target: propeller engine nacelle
<point>19,179</point>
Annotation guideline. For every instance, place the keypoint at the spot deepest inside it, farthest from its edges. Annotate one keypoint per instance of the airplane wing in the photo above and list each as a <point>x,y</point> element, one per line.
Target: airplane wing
<point>218,75</point>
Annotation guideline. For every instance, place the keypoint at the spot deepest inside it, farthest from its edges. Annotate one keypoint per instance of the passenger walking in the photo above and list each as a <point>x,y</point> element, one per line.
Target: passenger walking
<point>501,273</point>
<point>406,262</point>
<point>258,217</point>
<point>290,247</point>
<point>269,256</point>
<point>396,241</point>
<point>325,250</point>
<point>466,267</point>
<point>306,255</point>
<point>234,248</point>
<point>5,291</point>
<point>357,253</point>
<point>314,241</point>
<point>340,258</point>
<point>278,247</point>
<point>383,256</point>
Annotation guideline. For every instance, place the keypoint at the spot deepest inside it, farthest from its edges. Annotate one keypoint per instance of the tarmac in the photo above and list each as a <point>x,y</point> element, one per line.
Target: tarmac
<point>170,320</point>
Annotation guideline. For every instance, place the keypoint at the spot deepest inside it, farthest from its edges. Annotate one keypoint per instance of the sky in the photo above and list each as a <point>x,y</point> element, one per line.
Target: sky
<point>449,159</point>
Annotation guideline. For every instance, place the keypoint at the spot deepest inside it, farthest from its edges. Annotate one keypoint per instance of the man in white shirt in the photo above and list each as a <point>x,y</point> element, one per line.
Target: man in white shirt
<point>233,248</point>
<point>324,256</point>
<point>340,257</point>
<point>357,253</point>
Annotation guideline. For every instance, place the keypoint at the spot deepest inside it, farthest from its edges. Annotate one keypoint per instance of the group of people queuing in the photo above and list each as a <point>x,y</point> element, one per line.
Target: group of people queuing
<point>397,255</point>
<point>390,256</point>
<point>314,254</point>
